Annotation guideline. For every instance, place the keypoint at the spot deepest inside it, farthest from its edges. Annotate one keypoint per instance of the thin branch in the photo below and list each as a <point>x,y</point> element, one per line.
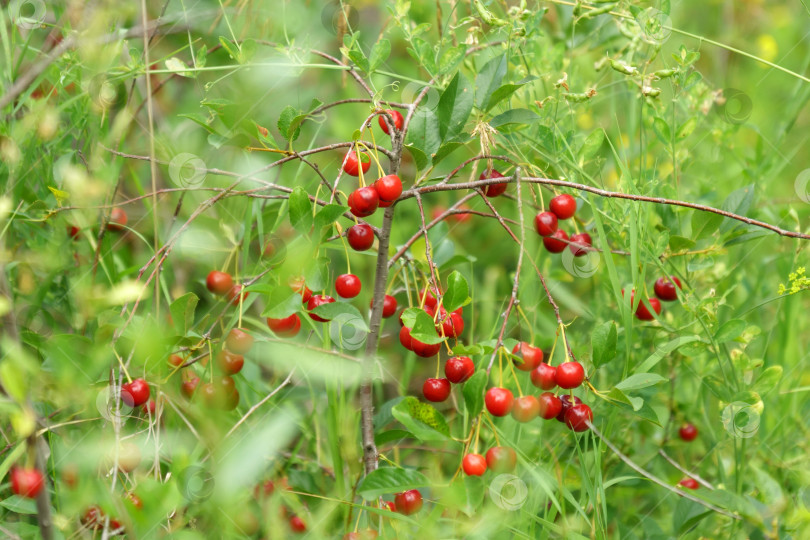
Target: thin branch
<point>260,403</point>
<point>675,464</point>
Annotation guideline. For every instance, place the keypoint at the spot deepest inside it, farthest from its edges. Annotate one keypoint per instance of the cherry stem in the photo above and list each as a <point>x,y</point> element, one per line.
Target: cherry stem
<point>514,374</point>
<point>494,430</point>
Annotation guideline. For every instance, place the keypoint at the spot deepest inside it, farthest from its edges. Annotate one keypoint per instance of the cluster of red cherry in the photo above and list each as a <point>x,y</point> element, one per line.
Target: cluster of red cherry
<point>665,289</point>
<point>555,240</point>
<point>447,325</point>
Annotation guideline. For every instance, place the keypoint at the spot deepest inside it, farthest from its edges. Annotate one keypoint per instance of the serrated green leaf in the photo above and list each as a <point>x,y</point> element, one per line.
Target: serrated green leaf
<point>421,419</point>
<point>390,480</point>
<point>285,122</point>
<point>473,392</point>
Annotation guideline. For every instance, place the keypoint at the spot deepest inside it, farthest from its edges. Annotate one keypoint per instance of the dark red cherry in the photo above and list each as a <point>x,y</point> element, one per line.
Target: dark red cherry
<point>135,393</point>
<point>405,338</point>
<point>544,377</point>
<point>555,243</point>
<point>389,306</point>
<point>567,401</point>
<point>458,369</point>
<point>564,206</point>
<point>398,120</point>
<point>318,300</point>
<point>408,502</point>
<point>532,356</point>
<point>352,165</point>
<point>436,390</point>
<point>363,201</point>
<point>665,288</point>
<point>688,432</point>
<point>689,483</point>
<point>493,190</point>
<point>347,285</point>
<point>288,326</point>
<point>450,325</point>
<point>577,416</point>
<point>424,350</point>
<point>550,406</point>
<point>581,244</point>
<point>499,401</point>
<point>360,236</point>
<point>545,223</point>
<point>219,282</point>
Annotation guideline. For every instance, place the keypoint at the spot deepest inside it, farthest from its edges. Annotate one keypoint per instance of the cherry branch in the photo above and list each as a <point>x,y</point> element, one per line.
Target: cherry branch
<point>684,471</point>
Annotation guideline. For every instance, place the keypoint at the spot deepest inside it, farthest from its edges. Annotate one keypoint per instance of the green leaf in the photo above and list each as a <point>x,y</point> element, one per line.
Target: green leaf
<point>640,380</point>
<point>248,50</point>
<point>423,132</point>
<point>20,505</point>
<point>502,93</point>
<point>768,380</point>
<point>390,480</point>
<point>592,144</point>
<point>200,120</point>
<point>473,392</point>
<point>317,273</point>
<point>334,309</point>
<point>422,326</point>
<point>603,343</point>
<point>617,395</point>
<point>300,209</point>
<point>662,350</point>
<point>458,292</point>
<point>687,514</point>
<point>179,67</point>
<point>718,387</point>
<point>687,128</point>
<point>379,54</point>
<point>285,123</point>
<point>391,435</point>
<point>419,157</point>
<point>680,243</point>
<point>738,202</point>
<point>451,58</point>
<point>359,59</point>
<point>704,224</point>
<point>488,80</point>
<point>467,350</point>
<point>182,311</point>
<point>730,330</point>
<point>661,129</point>
<point>622,401</point>
<point>229,46</point>
<point>421,419</point>
<point>445,150</point>
<point>455,105</point>
<point>514,116</point>
<point>282,302</point>
<point>328,214</point>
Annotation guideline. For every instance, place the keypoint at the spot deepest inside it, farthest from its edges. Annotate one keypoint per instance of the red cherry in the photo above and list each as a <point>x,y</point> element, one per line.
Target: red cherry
<point>93,517</point>
<point>238,341</point>
<point>389,306</point>
<point>525,409</point>
<point>360,236</point>
<point>189,386</point>
<point>643,314</point>
<point>458,369</point>
<point>118,220</point>
<point>352,165</point>
<point>288,326</point>
<point>544,377</point>
<point>408,502</point>
<point>297,524</point>
<point>493,190</point>
<point>237,294</point>
<point>135,500</point>
<point>436,390</point>
<point>388,188</point>
<point>73,232</point>
<point>219,282</point>
<point>550,405</point>
<point>554,243</point>
<point>363,201</point>
<point>385,204</point>
<point>298,285</point>
<point>580,244</point>
<point>405,338</point>
<point>532,356</point>
<point>499,401</point>
<point>149,407</point>
<point>26,482</point>
<point>264,489</point>
<point>451,325</point>
<point>688,432</point>
<point>567,401</point>
<point>318,300</point>
<point>545,223</point>
<point>569,375</point>
<point>501,459</point>
<point>347,285</point>
<point>398,121</point>
<point>135,393</point>
<point>665,288</point>
<point>431,302</point>
<point>577,415</point>
<point>474,465</point>
<point>564,206</point>
<point>689,483</point>
<point>230,363</point>
<point>176,360</point>
<point>424,350</point>
<point>391,506</point>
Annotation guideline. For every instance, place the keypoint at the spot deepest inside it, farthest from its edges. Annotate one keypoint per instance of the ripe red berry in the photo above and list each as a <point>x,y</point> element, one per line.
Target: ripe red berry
<point>389,306</point>
<point>189,386</point>
<point>176,360</point>
<point>493,190</point>
<point>544,377</point>
<point>297,524</point>
<point>360,236</point>
<point>499,401</point>
<point>545,223</point>
<point>363,201</point>
<point>474,465</point>
<point>555,243</point>
<point>501,459</point>
<point>388,188</point>
<point>298,285</point>
<point>391,506</point>
<point>689,483</point>
<point>318,300</point>
<point>219,282</point>
<point>532,356</point>
<point>564,206</point>
<point>405,338</point>
<point>237,294</point>
<point>347,285</point>
<point>577,416</point>
<point>580,244</point>
<point>230,363</point>
<point>436,390</point>
<point>459,368</point>
<point>288,326</point>
<point>238,341</point>
<point>26,482</point>
<point>93,517</point>
<point>135,393</point>
<point>665,288</point>
<point>398,120</point>
<point>430,300</point>
<point>424,350</point>
<point>149,407</point>
<point>408,502</point>
<point>643,314</point>
<point>73,232</point>
<point>550,406</point>
<point>135,500</point>
<point>569,375</point>
<point>352,165</point>
<point>567,401</point>
<point>118,220</point>
<point>450,325</point>
<point>525,409</point>
<point>688,432</point>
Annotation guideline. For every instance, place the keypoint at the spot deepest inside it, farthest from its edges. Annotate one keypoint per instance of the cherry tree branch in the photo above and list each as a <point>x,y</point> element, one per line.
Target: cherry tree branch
<point>675,464</point>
